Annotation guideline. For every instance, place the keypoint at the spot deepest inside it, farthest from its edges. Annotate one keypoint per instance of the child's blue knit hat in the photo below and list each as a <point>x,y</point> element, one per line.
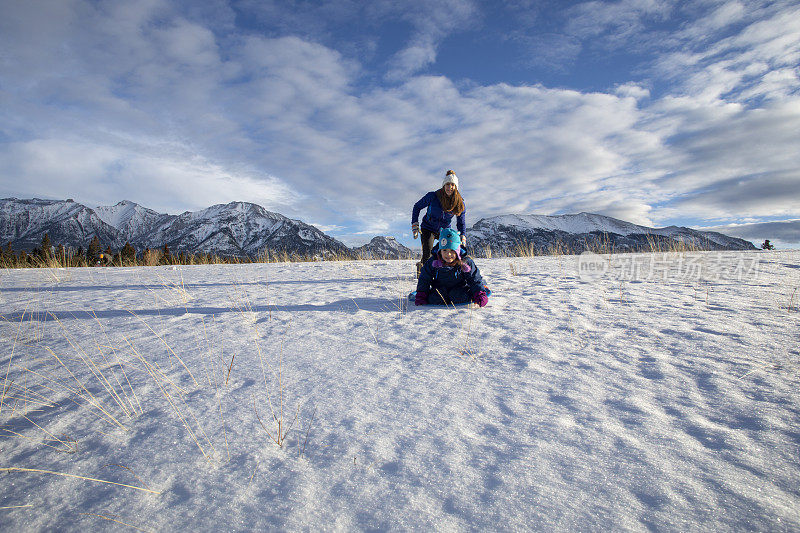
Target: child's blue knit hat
<point>449,240</point>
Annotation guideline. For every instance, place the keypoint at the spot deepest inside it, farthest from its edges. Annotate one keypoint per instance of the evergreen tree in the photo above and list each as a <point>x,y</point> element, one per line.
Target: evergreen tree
<point>128,253</point>
<point>766,245</point>
<point>46,252</point>
<point>93,251</point>
<point>166,256</point>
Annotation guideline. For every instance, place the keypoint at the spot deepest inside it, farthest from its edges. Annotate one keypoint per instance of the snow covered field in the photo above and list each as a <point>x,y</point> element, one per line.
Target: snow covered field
<point>570,403</point>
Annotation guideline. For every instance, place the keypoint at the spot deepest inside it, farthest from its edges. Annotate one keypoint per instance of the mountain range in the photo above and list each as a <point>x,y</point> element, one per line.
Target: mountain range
<point>505,235</point>
<point>244,229</point>
<point>384,248</point>
<point>236,229</point>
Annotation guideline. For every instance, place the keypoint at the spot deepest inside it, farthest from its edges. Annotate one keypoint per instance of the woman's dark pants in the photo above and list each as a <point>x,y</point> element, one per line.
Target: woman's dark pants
<point>428,239</point>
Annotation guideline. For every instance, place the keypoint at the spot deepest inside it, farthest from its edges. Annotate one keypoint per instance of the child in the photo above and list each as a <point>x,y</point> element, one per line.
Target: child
<point>448,279</point>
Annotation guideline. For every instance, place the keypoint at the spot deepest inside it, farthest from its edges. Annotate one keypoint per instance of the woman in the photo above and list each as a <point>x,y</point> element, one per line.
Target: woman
<point>442,206</point>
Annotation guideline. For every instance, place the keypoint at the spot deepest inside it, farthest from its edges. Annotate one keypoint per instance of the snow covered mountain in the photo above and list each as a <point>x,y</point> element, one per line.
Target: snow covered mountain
<point>23,223</point>
<point>576,233</point>
<point>137,223</point>
<point>383,248</point>
<point>234,229</point>
<point>245,229</point>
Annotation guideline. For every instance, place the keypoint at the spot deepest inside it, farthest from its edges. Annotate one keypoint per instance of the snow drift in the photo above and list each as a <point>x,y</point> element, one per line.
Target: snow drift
<point>567,403</point>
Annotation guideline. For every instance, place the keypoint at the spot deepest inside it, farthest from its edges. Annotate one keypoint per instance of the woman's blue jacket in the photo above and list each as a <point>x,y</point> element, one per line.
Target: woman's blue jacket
<point>436,218</point>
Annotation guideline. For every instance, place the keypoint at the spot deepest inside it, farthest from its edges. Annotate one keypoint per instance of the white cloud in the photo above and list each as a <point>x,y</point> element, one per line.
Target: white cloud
<point>163,178</point>
<point>145,104</point>
<point>777,193</point>
<point>632,90</point>
<point>725,15</point>
<point>29,42</point>
<point>188,45</point>
<point>740,66</point>
<point>327,228</point>
<point>554,51</point>
<point>711,150</point>
<point>780,233</point>
<point>618,19</point>
<point>774,85</point>
<point>432,21</point>
<point>416,56</point>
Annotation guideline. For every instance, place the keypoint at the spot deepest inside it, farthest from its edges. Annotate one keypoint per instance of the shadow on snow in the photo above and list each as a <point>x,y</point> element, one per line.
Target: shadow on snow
<point>352,305</point>
<point>186,286</point>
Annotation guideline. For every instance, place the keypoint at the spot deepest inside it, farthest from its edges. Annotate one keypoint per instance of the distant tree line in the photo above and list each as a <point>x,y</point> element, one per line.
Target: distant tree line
<point>48,255</point>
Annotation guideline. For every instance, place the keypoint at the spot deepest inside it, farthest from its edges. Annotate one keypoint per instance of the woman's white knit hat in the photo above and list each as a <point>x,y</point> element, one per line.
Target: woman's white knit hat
<point>450,177</point>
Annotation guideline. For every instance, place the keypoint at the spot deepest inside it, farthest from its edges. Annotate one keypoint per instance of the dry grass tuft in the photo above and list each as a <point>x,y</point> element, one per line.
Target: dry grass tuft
<point>282,423</point>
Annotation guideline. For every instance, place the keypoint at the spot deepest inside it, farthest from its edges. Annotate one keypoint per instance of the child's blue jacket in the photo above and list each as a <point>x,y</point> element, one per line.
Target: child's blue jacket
<point>435,275</point>
<point>436,218</point>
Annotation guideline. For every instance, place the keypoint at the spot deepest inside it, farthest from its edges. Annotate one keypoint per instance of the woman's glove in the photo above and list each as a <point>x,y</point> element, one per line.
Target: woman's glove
<point>480,298</point>
<point>415,229</point>
<point>464,241</point>
<point>421,298</point>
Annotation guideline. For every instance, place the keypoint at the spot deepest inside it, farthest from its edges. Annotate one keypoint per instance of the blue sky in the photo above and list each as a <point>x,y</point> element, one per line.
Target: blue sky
<point>344,113</point>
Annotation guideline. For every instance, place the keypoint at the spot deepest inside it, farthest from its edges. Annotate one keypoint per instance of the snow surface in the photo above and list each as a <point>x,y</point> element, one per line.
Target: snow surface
<point>566,404</point>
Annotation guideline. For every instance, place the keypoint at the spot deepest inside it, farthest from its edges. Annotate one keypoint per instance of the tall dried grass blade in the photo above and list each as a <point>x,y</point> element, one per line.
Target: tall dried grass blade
<point>159,337</point>
<point>93,368</point>
<point>122,366</point>
<point>117,521</point>
<point>11,358</point>
<point>50,472</point>
<point>94,402</point>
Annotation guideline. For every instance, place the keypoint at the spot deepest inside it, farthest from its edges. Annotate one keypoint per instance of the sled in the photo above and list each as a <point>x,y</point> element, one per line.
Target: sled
<point>413,294</point>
